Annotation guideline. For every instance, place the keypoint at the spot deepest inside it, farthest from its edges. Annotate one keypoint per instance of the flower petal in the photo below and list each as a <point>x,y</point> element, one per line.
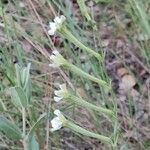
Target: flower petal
<point>52,26</point>
<point>63,18</point>
<point>57,20</point>
<point>56,52</point>
<point>51,32</point>
<point>56,124</point>
<point>52,29</point>
<point>57,59</point>
<point>62,86</point>
<point>53,65</point>
<point>57,92</point>
<point>57,99</point>
<point>57,112</point>
<point>52,57</point>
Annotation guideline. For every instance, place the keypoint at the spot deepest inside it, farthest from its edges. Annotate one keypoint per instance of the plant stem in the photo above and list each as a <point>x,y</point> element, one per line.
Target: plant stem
<point>83,9</point>
<point>81,102</point>
<point>24,128</point>
<point>85,132</point>
<point>83,74</point>
<point>63,30</point>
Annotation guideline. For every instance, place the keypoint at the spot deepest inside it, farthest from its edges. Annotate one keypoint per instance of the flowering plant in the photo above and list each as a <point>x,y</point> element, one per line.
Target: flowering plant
<point>54,26</point>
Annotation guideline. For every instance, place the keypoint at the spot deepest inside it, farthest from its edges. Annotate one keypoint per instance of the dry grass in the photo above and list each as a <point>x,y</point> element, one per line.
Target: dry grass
<point>122,35</point>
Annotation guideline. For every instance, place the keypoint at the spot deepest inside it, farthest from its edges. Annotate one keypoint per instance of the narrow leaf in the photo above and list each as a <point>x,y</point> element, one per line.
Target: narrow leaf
<point>18,75</point>
<point>2,107</point>
<point>27,75</point>
<point>28,91</point>
<point>32,143</point>
<point>23,77</point>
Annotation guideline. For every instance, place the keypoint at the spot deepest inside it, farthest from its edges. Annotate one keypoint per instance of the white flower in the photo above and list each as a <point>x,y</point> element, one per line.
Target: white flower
<point>57,59</point>
<point>57,122</point>
<point>60,94</point>
<point>53,28</point>
<point>58,21</point>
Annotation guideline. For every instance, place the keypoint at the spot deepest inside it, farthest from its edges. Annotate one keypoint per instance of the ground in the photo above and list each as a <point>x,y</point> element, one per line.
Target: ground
<point>122,36</point>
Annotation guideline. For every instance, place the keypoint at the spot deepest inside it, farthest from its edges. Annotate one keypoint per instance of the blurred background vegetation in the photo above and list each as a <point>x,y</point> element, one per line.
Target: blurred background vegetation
<point>122,35</point>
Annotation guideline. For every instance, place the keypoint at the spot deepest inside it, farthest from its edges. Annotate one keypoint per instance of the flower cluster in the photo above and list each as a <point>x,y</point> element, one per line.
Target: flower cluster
<point>57,59</point>
<point>60,94</point>
<point>59,121</point>
<point>54,26</point>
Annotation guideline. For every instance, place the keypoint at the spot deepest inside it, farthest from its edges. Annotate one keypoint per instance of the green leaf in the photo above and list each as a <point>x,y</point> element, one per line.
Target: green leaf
<point>28,91</point>
<point>18,75</point>
<point>9,129</point>
<point>26,75</point>
<point>32,143</point>
<point>2,107</point>
<point>23,75</point>
<point>18,97</point>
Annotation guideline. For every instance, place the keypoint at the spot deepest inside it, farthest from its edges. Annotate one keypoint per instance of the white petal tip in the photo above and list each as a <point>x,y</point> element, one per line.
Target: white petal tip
<point>57,112</point>
<point>62,86</point>
<point>56,52</point>
<point>57,99</point>
<point>56,124</point>
<point>53,65</point>
<point>57,92</point>
<point>51,32</point>
<point>63,18</point>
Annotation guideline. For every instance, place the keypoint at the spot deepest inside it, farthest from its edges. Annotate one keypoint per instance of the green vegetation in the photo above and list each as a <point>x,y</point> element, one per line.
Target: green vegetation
<point>104,62</point>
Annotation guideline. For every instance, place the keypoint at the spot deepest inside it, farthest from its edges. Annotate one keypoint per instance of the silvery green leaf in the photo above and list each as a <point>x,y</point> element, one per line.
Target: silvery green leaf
<point>9,129</point>
<point>2,107</point>
<point>18,75</point>
<point>18,97</point>
<point>28,91</point>
<point>32,143</point>
<point>27,75</point>
<point>23,75</point>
